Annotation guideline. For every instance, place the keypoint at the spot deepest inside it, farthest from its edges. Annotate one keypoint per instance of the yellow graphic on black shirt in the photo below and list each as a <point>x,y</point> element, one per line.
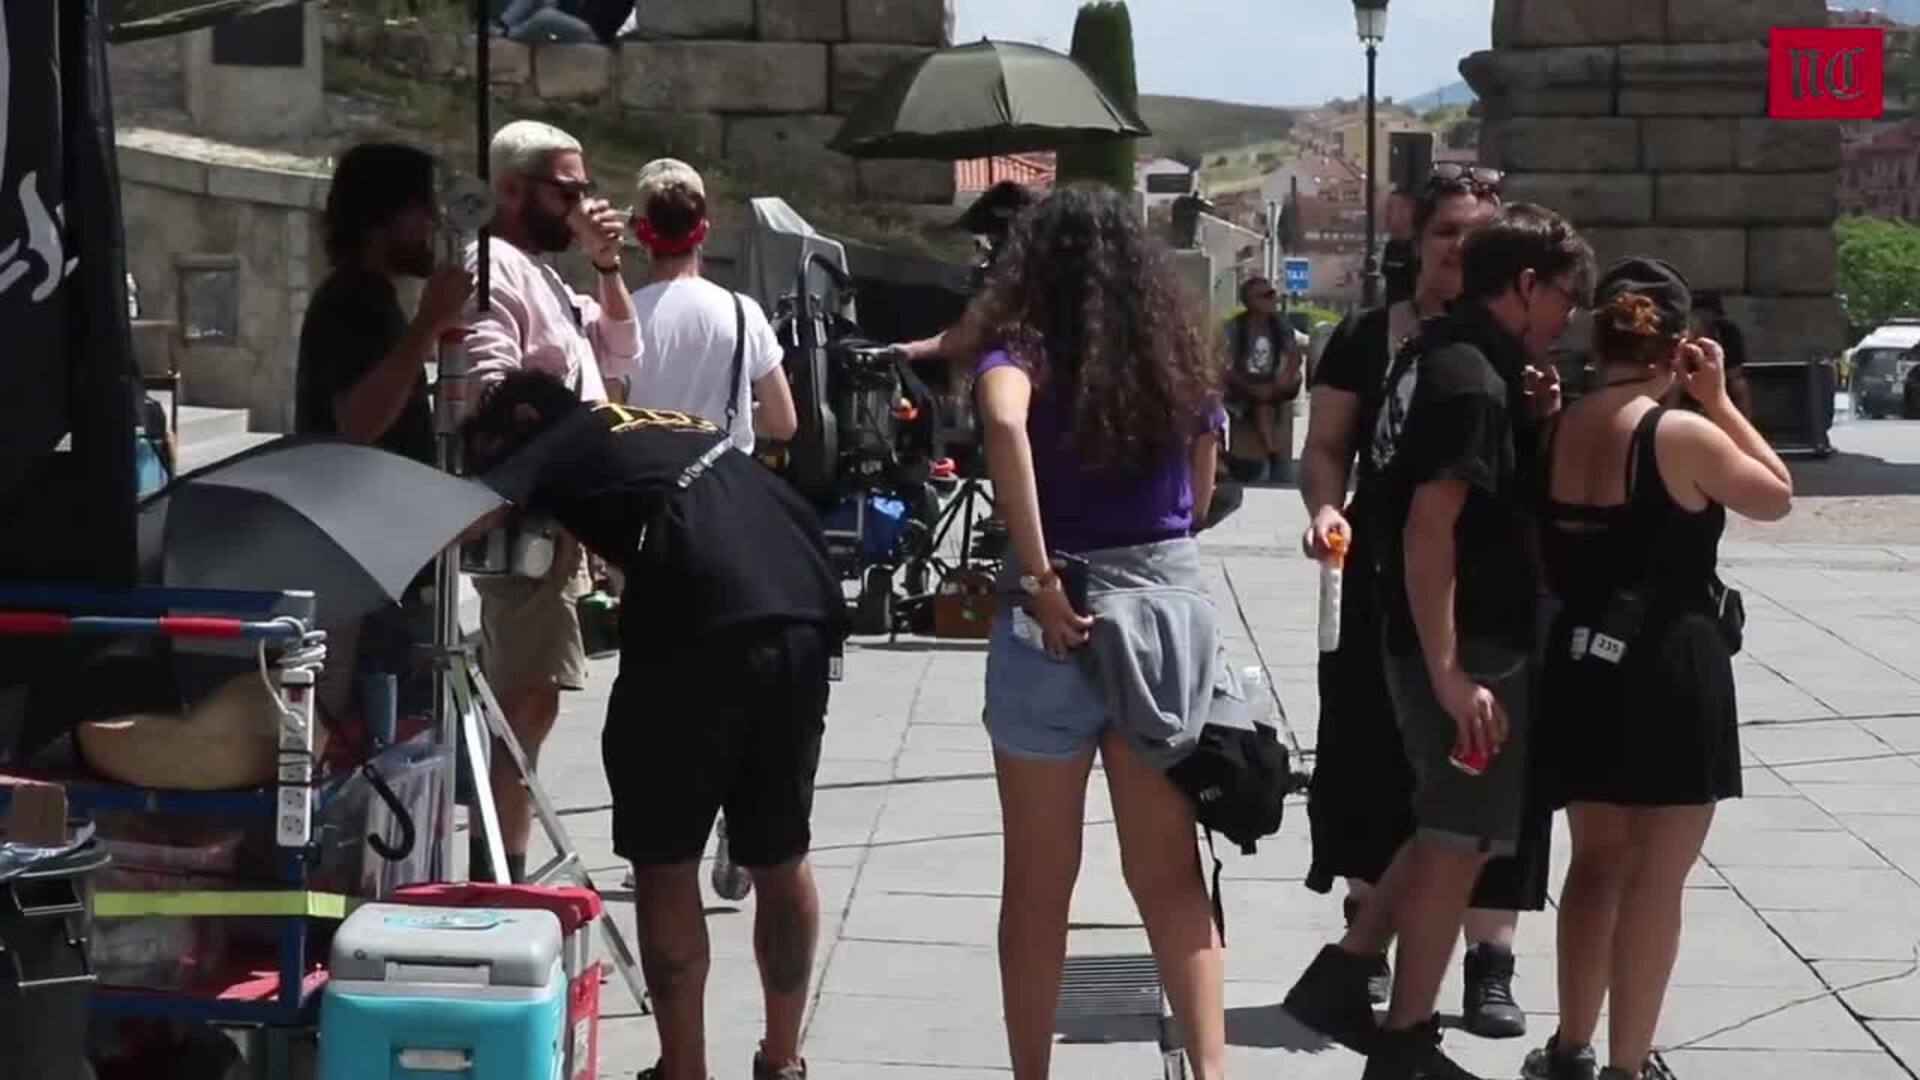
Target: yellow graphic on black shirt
<point>626,418</point>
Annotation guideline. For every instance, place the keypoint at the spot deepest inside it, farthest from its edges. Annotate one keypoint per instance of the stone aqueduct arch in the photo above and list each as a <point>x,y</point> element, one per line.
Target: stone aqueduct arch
<point>1645,122</point>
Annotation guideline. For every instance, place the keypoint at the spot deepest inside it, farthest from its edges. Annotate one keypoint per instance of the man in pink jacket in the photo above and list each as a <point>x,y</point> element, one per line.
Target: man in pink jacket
<point>534,320</point>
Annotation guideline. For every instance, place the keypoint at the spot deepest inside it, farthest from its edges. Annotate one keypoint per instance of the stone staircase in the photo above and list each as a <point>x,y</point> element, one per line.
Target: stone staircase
<point>207,435</point>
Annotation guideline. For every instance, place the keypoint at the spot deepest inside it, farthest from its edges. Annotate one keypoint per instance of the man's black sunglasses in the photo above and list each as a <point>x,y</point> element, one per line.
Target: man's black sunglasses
<point>574,189</point>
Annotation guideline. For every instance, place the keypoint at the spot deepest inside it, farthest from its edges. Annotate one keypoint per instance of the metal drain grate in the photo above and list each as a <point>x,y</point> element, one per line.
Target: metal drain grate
<point>1094,987</point>
<point>1125,987</point>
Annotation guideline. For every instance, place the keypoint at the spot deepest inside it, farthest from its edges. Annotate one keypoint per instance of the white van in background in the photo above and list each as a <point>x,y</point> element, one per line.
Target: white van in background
<point>1881,368</point>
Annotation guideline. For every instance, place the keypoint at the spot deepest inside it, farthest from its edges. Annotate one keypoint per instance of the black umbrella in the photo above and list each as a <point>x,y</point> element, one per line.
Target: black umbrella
<point>992,97</point>
<point>352,523</point>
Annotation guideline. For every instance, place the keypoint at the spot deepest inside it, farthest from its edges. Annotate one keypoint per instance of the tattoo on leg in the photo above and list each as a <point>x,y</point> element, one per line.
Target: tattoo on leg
<point>786,947</point>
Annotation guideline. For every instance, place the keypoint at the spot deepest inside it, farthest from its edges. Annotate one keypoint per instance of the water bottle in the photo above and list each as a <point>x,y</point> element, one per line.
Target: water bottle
<point>1332,571</point>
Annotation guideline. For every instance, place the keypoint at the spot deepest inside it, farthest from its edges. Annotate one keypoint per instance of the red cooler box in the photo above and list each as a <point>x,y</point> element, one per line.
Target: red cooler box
<point>576,908</point>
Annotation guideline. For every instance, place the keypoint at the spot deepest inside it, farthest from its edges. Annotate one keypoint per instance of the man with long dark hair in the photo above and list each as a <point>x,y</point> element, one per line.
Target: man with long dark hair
<point>362,369</point>
<point>362,373</point>
<point>725,657</point>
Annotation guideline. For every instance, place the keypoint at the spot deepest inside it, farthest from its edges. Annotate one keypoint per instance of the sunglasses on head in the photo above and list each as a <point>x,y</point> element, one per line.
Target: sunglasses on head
<point>1479,178</point>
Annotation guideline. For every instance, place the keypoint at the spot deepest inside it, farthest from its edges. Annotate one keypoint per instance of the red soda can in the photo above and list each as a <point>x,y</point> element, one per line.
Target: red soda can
<point>1470,761</point>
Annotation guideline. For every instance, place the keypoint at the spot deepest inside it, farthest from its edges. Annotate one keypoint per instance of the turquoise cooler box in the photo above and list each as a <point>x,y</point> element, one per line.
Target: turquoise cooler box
<point>443,993</point>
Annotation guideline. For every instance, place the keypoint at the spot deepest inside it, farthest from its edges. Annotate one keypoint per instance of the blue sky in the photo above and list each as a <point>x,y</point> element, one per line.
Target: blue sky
<point>1272,52</point>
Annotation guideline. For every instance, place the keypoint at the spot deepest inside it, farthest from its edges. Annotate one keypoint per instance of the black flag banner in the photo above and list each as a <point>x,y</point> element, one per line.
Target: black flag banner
<point>66,360</point>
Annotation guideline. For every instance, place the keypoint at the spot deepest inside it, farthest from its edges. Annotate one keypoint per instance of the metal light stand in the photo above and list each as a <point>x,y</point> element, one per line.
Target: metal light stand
<point>467,716</point>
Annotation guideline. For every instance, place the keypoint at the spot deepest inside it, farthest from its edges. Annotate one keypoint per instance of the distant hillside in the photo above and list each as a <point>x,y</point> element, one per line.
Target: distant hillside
<point>1198,125</point>
<point>1455,93</point>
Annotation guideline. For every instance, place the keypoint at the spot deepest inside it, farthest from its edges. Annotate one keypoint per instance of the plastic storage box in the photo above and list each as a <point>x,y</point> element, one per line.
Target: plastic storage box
<point>576,908</point>
<point>421,993</point>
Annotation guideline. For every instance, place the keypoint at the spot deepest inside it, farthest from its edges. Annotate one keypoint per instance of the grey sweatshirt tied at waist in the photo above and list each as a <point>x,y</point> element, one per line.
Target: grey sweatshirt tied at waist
<point>1155,651</point>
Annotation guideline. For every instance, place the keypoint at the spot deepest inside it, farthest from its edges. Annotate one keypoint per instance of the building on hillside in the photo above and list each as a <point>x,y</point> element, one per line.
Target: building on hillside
<point>1319,176</point>
<point>1351,129</point>
<point>1160,181</point>
<point>1880,176</point>
<point>1866,17</point>
<point>970,178</point>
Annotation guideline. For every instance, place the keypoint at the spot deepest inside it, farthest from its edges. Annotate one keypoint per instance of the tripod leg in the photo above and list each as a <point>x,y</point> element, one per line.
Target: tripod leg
<point>462,681</point>
<point>566,860</point>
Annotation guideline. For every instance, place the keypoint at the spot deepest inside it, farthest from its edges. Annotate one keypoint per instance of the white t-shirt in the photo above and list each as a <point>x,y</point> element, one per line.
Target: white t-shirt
<point>686,354</point>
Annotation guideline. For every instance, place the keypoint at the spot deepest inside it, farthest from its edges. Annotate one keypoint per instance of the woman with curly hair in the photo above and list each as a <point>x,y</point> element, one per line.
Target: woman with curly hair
<point>1098,400</point>
<point>1639,730</point>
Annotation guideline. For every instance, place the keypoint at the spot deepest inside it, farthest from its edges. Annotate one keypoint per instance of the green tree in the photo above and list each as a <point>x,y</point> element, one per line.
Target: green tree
<point>1103,41</point>
<point>1879,269</point>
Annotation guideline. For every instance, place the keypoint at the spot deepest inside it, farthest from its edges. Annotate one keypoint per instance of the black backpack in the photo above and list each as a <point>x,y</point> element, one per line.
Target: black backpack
<point>1238,781</point>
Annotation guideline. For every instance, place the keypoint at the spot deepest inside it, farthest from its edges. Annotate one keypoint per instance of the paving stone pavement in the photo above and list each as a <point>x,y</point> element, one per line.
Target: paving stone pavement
<point>1802,919</point>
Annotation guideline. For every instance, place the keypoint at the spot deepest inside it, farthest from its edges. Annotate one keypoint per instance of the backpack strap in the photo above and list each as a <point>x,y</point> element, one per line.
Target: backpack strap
<point>739,362</point>
<point>1219,911</point>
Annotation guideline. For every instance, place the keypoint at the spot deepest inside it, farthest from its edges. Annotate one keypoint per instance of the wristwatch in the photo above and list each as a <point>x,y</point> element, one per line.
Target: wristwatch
<point>1034,585</point>
<point>608,271</point>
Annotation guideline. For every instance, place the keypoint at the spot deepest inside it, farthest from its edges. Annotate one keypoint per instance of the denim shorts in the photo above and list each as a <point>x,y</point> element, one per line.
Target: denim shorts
<point>1039,707</point>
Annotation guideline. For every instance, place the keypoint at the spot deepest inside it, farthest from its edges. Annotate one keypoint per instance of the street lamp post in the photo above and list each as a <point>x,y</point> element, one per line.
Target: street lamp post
<point>1370,18</point>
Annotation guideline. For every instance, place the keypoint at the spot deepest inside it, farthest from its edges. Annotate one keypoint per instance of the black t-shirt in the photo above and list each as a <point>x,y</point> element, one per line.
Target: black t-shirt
<point>1355,359</point>
<point>1455,406</point>
<point>736,545</point>
<point>353,321</point>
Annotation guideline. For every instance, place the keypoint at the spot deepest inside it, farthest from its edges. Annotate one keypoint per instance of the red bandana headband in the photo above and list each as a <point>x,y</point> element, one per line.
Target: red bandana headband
<point>662,245</point>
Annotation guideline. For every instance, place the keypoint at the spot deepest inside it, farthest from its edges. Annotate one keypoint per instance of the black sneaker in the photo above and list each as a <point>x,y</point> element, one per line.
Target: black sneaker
<point>1413,1054</point>
<point>1380,979</point>
<point>1487,1005</point>
<point>792,1070</point>
<point>652,1072</point>
<point>1331,998</point>
<point>1656,1069</point>
<point>1550,1062</point>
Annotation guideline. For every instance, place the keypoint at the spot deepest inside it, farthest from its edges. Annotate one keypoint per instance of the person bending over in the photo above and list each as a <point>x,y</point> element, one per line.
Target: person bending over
<point>1640,733</point>
<point>734,623</point>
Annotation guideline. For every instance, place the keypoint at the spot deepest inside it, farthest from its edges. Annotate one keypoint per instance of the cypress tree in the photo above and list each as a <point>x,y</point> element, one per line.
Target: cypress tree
<point>1103,42</point>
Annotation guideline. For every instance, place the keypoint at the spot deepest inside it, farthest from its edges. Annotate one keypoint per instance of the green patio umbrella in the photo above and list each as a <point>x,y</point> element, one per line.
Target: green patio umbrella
<point>980,100</point>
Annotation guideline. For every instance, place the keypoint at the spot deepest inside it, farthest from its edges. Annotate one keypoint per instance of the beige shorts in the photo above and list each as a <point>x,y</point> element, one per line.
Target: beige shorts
<point>532,628</point>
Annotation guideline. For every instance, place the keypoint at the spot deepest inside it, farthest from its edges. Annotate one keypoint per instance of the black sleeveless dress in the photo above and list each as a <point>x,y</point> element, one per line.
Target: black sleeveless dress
<point>1658,726</point>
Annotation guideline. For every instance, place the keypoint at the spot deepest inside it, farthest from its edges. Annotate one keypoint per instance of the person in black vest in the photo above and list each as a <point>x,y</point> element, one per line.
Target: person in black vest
<point>733,625</point>
<point>1360,805</point>
<point>1264,370</point>
<point>1453,450</point>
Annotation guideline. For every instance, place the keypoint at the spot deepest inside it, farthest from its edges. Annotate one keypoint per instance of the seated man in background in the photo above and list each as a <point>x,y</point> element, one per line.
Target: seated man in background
<point>722,695</point>
<point>1264,373</point>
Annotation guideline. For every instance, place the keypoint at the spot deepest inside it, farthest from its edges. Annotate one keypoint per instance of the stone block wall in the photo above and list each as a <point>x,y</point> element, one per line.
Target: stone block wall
<point>1645,123</point>
<point>188,202</point>
<point>759,83</point>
